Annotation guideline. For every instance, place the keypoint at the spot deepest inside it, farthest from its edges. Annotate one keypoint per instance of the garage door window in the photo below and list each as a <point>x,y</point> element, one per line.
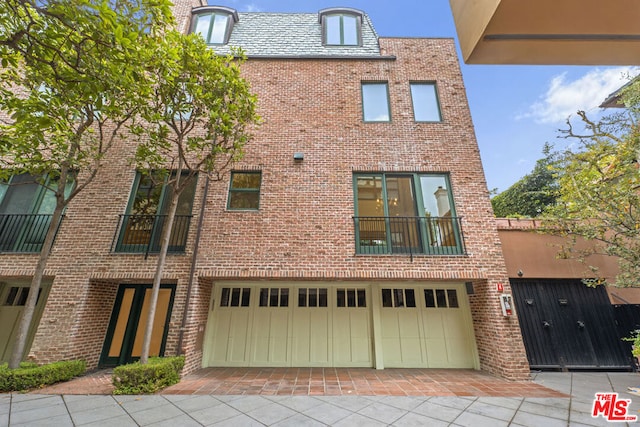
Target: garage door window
<point>398,298</point>
<point>351,298</point>
<point>235,297</point>
<point>441,298</point>
<point>312,297</point>
<point>274,297</point>
<point>17,296</point>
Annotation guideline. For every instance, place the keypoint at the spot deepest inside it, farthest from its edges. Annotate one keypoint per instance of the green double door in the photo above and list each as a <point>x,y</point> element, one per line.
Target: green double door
<point>123,343</point>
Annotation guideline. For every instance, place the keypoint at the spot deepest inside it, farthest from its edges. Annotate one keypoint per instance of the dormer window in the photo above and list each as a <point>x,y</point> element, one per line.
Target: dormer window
<point>341,27</point>
<point>214,23</point>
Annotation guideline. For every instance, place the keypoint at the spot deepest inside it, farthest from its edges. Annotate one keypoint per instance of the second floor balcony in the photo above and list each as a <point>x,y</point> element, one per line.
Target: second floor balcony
<point>23,233</point>
<point>408,236</point>
<point>142,234</point>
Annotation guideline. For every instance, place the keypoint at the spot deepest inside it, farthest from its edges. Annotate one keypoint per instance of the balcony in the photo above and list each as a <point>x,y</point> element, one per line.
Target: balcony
<point>23,233</point>
<point>408,236</point>
<point>142,233</point>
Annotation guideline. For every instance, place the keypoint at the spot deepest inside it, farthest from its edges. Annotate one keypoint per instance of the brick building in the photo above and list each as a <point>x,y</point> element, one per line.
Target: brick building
<point>356,231</point>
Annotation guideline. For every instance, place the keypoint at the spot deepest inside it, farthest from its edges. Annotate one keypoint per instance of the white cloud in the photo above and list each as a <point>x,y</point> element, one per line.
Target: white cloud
<point>563,98</point>
<point>252,7</point>
<point>240,6</point>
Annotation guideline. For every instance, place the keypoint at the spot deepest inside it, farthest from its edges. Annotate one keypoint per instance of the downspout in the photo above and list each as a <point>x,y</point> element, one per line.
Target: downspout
<point>192,270</point>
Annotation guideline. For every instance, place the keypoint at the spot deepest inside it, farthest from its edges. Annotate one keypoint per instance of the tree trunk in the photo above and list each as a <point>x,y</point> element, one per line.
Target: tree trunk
<point>162,257</point>
<point>34,288</point>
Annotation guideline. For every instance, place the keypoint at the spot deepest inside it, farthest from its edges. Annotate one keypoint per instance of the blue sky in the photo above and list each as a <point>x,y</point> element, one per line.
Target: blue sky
<point>516,109</point>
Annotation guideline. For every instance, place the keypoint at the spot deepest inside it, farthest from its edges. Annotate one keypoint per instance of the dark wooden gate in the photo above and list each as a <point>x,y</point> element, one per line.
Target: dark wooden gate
<point>567,325</point>
<point>628,322</point>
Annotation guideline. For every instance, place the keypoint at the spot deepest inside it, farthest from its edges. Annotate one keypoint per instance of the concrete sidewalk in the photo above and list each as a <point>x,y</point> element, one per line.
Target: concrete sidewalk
<point>256,410</point>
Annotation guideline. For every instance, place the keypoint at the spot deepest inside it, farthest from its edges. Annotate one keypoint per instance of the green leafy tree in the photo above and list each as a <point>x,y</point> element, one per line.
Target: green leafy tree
<point>69,68</point>
<point>532,194</point>
<point>599,188</point>
<point>197,123</point>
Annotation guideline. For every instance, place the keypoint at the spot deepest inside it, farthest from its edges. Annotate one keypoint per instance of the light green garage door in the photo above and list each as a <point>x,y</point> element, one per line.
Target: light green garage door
<point>426,327</point>
<point>13,297</point>
<point>289,324</point>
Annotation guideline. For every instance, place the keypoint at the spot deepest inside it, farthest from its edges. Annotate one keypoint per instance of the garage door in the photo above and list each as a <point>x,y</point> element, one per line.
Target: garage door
<point>426,326</point>
<point>289,325</point>
<point>13,297</point>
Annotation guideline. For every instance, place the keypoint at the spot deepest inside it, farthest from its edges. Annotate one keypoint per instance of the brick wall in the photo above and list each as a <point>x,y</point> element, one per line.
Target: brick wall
<point>304,228</point>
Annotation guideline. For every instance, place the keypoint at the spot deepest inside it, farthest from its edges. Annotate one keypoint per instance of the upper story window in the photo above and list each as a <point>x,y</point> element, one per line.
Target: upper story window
<point>244,191</point>
<point>424,97</point>
<point>27,203</point>
<point>341,27</point>
<point>214,23</point>
<point>141,227</point>
<point>375,102</point>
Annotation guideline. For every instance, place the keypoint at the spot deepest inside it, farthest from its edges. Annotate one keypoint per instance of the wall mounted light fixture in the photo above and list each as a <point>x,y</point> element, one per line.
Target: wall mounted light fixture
<point>298,156</point>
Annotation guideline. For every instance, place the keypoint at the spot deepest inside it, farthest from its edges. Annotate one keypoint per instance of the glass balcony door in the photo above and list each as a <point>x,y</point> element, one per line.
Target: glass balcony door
<point>404,226</point>
<point>406,214</point>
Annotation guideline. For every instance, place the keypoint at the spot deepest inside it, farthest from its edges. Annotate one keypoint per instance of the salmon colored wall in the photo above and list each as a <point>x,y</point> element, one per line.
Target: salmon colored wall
<point>535,255</point>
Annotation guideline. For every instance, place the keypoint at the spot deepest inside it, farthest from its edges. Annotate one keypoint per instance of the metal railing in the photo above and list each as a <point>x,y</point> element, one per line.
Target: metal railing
<point>23,232</point>
<point>142,233</point>
<point>409,235</point>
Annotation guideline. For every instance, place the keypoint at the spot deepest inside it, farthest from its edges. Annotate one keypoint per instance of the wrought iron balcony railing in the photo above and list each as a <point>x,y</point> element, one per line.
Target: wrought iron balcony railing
<point>409,235</point>
<point>23,232</point>
<point>142,233</point>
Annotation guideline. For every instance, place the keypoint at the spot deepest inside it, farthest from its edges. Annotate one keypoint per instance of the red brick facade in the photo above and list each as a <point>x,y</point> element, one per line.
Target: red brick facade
<point>304,228</point>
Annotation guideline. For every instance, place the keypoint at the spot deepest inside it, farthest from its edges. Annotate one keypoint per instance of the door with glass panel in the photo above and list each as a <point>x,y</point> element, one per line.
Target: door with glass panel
<point>123,343</point>
<point>402,332</point>
<point>387,215</point>
<point>405,214</point>
<point>370,221</point>
<point>428,327</point>
<point>270,345</point>
<point>404,224</point>
<point>441,229</point>
<point>287,324</point>
<point>352,338</point>
<point>230,325</point>
<point>312,327</point>
<point>142,225</point>
<point>26,206</point>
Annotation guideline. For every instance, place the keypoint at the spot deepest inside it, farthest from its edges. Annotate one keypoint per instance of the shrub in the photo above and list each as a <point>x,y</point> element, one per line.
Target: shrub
<point>635,343</point>
<point>29,375</point>
<point>158,373</point>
